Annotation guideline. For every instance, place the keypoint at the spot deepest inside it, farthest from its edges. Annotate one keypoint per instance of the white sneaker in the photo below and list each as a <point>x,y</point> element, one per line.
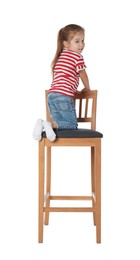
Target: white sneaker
<point>49,131</point>
<point>38,130</point>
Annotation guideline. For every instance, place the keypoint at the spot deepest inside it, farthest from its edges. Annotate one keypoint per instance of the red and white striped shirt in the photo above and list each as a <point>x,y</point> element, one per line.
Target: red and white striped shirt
<point>66,73</point>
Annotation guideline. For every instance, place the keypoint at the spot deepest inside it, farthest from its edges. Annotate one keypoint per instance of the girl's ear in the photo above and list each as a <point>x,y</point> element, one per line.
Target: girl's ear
<point>65,44</point>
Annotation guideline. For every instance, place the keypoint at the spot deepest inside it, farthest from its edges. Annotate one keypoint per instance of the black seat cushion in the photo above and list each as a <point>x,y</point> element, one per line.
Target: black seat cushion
<point>76,133</point>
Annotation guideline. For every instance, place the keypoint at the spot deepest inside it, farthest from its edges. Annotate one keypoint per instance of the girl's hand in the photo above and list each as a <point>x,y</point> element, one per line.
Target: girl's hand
<point>83,90</point>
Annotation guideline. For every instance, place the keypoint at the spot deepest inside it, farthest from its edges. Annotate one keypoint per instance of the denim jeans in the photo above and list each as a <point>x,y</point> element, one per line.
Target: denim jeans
<point>62,111</point>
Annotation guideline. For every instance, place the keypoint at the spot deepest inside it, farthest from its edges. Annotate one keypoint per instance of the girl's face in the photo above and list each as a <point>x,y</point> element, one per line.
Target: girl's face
<point>76,43</point>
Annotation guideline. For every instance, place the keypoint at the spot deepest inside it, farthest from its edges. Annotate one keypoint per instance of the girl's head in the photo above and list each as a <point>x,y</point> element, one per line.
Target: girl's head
<point>70,37</point>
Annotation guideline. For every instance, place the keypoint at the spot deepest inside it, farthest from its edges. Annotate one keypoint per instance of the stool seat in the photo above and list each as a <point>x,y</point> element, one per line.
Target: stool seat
<point>75,133</point>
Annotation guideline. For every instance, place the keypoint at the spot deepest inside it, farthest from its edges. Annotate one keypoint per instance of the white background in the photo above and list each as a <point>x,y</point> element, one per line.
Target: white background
<point>28,31</point>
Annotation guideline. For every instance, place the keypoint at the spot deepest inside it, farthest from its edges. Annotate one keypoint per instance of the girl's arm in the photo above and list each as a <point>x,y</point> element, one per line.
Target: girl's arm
<point>85,80</point>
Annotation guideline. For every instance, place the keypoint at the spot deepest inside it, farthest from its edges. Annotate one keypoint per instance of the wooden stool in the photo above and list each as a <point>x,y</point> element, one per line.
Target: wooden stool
<point>79,137</point>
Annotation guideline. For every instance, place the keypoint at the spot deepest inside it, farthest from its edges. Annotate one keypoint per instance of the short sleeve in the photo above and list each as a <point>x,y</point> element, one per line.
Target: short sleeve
<point>80,64</point>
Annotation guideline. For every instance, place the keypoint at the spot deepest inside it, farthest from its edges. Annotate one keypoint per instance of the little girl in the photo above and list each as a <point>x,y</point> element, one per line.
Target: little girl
<point>67,67</point>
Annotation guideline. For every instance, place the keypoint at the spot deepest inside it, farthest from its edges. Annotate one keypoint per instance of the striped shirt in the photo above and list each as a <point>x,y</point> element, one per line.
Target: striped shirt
<point>66,73</point>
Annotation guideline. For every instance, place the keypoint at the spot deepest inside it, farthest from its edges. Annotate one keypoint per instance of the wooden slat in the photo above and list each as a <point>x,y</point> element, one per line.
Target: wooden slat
<point>59,209</point>
<point>72,142</point>
<point>80,109</point>
<point>71,198</point>
<point>86,109</point>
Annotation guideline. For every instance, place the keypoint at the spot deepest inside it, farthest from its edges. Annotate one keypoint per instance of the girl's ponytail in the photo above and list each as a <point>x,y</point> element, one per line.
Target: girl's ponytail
<point>59,48</point>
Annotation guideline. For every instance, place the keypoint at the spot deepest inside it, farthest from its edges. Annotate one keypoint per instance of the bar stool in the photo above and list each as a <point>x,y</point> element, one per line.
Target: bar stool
<point>85,104</point>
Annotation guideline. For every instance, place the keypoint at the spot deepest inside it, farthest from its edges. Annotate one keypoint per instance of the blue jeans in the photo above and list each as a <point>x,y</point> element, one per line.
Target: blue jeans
<point>62,111</point>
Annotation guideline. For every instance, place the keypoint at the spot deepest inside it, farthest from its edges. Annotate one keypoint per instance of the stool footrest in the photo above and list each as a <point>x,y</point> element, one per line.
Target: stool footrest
<point>70,197</point>
<point>57,209</point>
<point>69,209</point>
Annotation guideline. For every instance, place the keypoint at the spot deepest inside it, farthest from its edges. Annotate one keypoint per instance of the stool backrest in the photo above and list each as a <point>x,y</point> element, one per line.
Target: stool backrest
<point>85,105</point>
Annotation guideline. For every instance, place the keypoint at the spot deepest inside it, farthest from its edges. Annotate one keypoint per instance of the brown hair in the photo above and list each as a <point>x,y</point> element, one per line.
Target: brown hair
<point>65,34</point>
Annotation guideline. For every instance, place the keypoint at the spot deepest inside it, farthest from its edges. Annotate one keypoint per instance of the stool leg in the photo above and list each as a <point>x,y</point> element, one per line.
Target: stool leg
<point>98,191</point>
<point>93,169</point>
<point>41,191</point>
<point>48,184</point>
